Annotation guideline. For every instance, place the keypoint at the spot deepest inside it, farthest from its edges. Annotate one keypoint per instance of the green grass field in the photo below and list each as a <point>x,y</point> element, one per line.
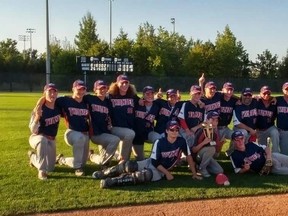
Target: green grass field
<point>23,193</point>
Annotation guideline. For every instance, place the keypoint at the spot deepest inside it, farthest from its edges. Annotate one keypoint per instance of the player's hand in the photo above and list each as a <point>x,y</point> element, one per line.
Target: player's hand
<point>246,166</point>
<point>169,176</point>
<point>38,112</point>
<point>141,102</point>
<point>159,94</point>
<point>178,95</point>
<point>197,177</point>
<point>201,80</point>
<point>206,141</point>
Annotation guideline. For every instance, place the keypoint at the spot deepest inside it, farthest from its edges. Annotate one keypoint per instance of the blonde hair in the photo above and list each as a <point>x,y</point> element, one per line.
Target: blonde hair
<point>114,90</point>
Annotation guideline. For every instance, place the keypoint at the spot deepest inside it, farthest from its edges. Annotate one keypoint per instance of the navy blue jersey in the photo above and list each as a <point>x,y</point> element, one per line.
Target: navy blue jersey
<point>246,114</point>
<point>282,113</point>
<point>226,110</point>
<point>165,114</point>
<point>265,115</point>
<point>49,121</point>
<point>253,155</point>
<point>192,114</point>
<point>99,113</point>
<point>76,114</point>
<point>212,104</point>
<point>167,154</point>
<point>123,110</point>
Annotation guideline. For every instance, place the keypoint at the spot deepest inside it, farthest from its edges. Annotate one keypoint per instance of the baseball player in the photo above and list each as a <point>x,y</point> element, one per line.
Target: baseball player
<point>100,127</point>
<point>211,97</point>
<point>43,125</point>
<point>266,115</point>
<point>76,115</point>
<point>253,157</point>
<point>168,110</point>
<point>144,122</point>
<point>205,146</point>
<point>191,115</point>
<point>165,154</point>
<point>123,99</point>
<point>282,119</point>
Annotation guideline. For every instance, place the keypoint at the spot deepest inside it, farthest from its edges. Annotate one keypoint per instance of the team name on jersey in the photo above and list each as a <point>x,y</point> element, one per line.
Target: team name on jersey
<point>213,106</point>
<point>196,114</point>
<point>140,114</point>
<point>265,113</point>
<point>165,112</point>
<point>281,109</point>
<point>99,108</point>
<point>252,158</point>
<point>52,120</point>
<point>170,154</point>
<point>122,102</point>
<point>248,113</point>
<point>226,109</point>
<point>77,111</point>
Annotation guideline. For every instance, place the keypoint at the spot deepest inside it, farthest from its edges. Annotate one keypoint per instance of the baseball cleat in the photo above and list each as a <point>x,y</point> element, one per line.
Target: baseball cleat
<point>79,172</point>
<point>30,153</point>
<point>105,183</point>
<point>98,175</point>
<point>42,175</point>
<point>59,159</point>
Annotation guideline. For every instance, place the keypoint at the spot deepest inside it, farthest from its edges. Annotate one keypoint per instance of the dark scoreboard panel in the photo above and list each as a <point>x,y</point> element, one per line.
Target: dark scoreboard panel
<point>103,64</point>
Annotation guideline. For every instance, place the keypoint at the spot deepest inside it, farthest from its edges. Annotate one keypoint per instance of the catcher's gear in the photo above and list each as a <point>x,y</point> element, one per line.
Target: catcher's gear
<point>266,169</point>
<point>137,177</point>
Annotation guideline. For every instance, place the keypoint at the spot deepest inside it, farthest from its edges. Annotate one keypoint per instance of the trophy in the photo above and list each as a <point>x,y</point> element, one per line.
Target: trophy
<point>208,132</point>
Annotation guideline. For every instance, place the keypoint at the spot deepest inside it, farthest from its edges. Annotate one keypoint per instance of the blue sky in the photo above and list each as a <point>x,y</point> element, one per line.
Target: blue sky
<point>259,24</point>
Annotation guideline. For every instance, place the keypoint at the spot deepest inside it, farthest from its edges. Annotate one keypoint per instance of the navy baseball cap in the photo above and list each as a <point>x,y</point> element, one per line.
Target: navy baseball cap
<point>148,88</point>
<point>237,134</point>
<point>172,125</point>
<point>99,84</point>
<point>78,84</point>
<point>50,86</point>
<point>195,89</point>
<point>122,78</point>
<point>247,91</point>
<point>265,89</point>
<point>171,92</point>
<point>228,85</point>
<point>285,85</point>
<point>210,84</point>
<point>212,114</point>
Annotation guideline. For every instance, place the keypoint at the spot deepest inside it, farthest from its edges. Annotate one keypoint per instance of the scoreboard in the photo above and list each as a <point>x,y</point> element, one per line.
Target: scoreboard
<point>103,64</point>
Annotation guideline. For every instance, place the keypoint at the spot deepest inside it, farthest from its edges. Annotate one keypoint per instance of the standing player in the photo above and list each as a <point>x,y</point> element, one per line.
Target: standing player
<point>100,131</point>
<point>266,115</point>
<point>123,99</point>
<point>76,115</point>
<point>282,119</point>
<point>43,125</point>
<point>165,154</point>
<point>191,115</point>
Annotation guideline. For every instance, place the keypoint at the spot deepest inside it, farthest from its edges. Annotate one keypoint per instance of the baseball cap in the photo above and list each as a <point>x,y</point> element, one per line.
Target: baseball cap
<point>195,89</point>
<point>49,87</point>
<point>122,78</point>
<point>222,179</point>
<point>265,89</point>
<point>172,125</point>
<point>210,84</point>
<point>237,134</point>
<point>99,84</point>
<point>212,114</point>
<point>171,92</point>
<point>148,88</point>
<point>228,85</point>
<point>285,85</point>
<point>78,84</point>
<point>247,91</point>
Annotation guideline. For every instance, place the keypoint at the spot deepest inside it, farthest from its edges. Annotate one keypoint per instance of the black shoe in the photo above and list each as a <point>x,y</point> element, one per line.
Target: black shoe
<point>79,172</point>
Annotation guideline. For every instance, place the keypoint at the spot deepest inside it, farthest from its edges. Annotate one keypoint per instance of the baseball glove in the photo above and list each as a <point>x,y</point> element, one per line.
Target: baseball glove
<point>266,169</point>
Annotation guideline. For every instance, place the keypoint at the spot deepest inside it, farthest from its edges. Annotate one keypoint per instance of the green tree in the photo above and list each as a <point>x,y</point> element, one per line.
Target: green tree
<point>266,64</point>
<point>87,36</point>
<point>122,46</point>
<point>283,67</point>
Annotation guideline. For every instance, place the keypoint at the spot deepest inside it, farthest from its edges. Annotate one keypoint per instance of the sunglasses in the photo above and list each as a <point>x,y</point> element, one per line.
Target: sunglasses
<point>239,138</point>
<point>267,93</point>
<point>247,95</point>
<point>174,130</point>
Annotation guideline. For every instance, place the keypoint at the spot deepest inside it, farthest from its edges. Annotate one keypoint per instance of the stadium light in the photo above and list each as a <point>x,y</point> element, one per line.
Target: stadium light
<point>30,31</point>
<point>173,23</point>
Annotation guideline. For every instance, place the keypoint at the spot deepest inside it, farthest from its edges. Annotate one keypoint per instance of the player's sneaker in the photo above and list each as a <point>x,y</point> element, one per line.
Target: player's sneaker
<point>59,159</point>
<point>204,173</point>
<point>105,183</point>
<point>91,152</point>
<point>42,175</point>
<point>79,172</point>
<point>98,175</point>
<point>30,153</point>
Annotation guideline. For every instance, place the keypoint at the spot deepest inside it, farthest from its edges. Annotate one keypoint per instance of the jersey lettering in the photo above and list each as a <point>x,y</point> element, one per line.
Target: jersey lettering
<point>122,102</point>
<point>252,158</point>
<point>248,113</point>
<point>282,109</point>
<point>170,154</point>
<point>164,112</point>
<point>99,108</point>
<point>77,111</point>
<point>195,115</point>
<point>226,109</point>
<point>52,120</point>
<point>265,113</point>
<point>213,106</point>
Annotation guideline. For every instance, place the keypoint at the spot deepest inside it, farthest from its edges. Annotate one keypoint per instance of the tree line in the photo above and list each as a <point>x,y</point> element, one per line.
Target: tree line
<point>154,52</point>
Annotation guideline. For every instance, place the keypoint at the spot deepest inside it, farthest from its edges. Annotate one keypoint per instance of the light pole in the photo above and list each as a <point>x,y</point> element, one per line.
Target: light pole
<point>173,23</point>
<point>47,45</point>
<point>110,15</point>
<point>30,31</point>
<point>23,38</point>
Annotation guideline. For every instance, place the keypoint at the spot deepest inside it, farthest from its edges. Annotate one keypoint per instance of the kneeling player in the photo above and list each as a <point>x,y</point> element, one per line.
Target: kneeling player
<point>165,155</point>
